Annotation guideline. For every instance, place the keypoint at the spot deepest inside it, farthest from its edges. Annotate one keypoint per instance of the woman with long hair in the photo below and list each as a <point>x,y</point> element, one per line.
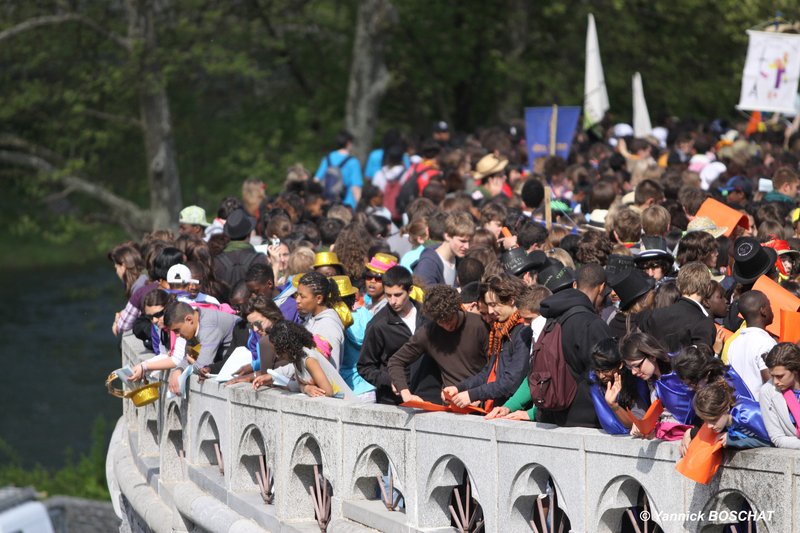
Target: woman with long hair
<point>779,397</point>
<point>130,269</point>
<point>649,361</point>
<point>305,370</point>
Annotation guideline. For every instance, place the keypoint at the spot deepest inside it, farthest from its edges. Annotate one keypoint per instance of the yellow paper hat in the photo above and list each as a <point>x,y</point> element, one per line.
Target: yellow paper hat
<point>344,285</point>
<point>381,262</point>
<point>322,259</point>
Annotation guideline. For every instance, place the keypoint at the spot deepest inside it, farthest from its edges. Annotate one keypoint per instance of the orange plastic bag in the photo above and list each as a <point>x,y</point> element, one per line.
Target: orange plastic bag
<point>790,326</point>
<point>779,298</point>
<point>648,422</point>
<point>722,215</point>
<point>703,457</point>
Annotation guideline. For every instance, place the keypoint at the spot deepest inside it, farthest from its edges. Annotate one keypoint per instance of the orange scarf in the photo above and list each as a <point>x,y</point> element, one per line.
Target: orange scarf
<point>500,331</point>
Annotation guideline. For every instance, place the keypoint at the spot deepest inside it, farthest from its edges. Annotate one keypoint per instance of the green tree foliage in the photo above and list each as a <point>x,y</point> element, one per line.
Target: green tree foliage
<point>257,85</point>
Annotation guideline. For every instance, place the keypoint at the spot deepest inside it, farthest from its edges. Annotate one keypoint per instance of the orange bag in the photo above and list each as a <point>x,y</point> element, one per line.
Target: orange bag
<point>648,422</point>
<point>703,457</point>
<point>779,298</point>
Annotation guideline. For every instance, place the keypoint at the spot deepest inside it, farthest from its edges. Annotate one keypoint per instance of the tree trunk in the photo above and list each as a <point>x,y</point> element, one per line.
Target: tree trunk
<point>369,77</point>
<point>162,159</point>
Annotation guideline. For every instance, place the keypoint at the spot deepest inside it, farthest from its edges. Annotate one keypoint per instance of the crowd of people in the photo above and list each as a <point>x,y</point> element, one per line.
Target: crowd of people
<point>448,270</point>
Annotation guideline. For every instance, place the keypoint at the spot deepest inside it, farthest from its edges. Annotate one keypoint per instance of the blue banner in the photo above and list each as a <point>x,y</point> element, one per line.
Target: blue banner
<point>539,124</point>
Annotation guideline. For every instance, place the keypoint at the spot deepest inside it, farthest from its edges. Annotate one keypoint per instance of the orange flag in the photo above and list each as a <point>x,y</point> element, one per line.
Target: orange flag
<point>648,422</point>
<point>703,456</point>
<point>752,124</point>
<point>779,298</point>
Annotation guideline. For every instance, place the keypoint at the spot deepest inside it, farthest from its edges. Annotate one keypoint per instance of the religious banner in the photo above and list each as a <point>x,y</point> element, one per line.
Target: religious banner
<point>771,72</point>
<point>549,130</point>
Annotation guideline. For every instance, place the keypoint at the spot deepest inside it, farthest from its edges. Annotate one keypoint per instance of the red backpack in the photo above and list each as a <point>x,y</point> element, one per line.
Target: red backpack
<point>551,380</point>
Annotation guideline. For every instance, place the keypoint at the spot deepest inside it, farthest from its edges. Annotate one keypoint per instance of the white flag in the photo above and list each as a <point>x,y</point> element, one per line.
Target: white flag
<point>641,118</point>
<point>595,96</point>
<point>771,71</point>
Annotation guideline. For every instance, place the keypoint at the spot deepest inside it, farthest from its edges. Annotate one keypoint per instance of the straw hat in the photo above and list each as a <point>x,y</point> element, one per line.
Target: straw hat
<point>707,225</point>
<point>194,215</point>
<point>488,165</point>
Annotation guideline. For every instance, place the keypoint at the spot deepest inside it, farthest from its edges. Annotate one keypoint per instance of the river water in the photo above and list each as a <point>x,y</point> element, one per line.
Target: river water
<point>57,349</point>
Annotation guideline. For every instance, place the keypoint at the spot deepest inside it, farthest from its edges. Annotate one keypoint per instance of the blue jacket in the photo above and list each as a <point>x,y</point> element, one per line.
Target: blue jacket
<point>430,267</point>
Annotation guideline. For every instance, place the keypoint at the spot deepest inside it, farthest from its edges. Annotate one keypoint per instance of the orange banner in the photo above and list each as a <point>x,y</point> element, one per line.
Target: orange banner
<point>790,326</point>
<point>648,422</point>
<point>703,457</point>
<point>723,216</point>
<point>779,298</point>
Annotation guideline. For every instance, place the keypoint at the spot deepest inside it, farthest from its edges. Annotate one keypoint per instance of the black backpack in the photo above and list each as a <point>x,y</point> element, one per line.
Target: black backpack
<point>235,269</point>
<point>333,181</point>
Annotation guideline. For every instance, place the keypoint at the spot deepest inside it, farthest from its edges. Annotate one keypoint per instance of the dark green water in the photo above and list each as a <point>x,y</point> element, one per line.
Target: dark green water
<point>57,349</point>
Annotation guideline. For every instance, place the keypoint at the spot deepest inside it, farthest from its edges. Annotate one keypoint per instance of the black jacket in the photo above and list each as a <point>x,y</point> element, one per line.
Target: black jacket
<point>579,333</point>
<point>386,333</point>
<point>680,324</point>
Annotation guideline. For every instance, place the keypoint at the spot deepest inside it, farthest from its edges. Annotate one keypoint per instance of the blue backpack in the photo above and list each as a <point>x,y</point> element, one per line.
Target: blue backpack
<point>333,181</point>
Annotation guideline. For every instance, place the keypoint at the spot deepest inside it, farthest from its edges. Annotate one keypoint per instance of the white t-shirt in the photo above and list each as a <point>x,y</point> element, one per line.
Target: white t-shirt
<point>744,356</point>
<point>449,273</point>
<point>411,320</point>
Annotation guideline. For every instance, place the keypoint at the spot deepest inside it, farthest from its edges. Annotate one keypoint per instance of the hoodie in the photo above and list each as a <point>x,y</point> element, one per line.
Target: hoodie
<point>579,333</point>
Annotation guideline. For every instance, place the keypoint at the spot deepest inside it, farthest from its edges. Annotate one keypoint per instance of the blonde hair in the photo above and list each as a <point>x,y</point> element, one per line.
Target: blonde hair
<point>561,255</point>
<point>301,260</point>
<point>252,195</point>
<point>693,278</point>
<point>655,220</point>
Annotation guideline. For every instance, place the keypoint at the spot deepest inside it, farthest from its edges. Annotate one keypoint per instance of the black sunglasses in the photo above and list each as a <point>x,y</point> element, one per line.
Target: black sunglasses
<point>374,277</point>
<point>156,315</point>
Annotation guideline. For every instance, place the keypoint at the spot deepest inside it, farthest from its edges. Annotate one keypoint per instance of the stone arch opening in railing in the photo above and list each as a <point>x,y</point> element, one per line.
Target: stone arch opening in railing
<point>149,438</point>
<point>535,503</point>
<point>626,506</point>
<point>307,476</point>
<point>254,471</point>
<point>452,491</point>
<point>730,511</point>
<point>173,451</point>
<point>375,478</point>
<point>209,451</point>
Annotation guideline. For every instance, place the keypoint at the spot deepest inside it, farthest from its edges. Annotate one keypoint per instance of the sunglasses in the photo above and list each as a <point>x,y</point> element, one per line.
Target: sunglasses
<point>651,265</point>
<point>258,326</point>
<point>155,316</point>
<point>373,277</point>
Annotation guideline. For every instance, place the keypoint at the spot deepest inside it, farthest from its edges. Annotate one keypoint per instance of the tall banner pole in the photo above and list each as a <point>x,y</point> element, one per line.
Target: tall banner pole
<point>548,210</point>
<point>553,129</point>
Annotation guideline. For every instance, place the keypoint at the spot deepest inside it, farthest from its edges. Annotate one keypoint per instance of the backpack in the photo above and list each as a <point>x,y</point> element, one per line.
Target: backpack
<point>333,181</point>
<point>235,270</point>
<point>412,188</point>
<point>552,383</point>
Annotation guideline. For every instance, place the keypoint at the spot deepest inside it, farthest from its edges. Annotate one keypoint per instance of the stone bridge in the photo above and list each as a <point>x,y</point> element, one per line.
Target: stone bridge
<point>195,465</point>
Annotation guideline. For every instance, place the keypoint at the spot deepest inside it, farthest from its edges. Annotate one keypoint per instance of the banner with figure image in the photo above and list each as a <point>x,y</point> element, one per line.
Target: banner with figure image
<point>549,130</point>
<point>771,72</point>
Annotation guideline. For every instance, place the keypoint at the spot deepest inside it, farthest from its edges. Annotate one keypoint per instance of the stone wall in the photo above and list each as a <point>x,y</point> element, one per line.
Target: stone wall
<point>164,461</point>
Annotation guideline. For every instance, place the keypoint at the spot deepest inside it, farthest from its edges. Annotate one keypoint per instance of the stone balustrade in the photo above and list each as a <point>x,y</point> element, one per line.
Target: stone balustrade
<point>164,467</point>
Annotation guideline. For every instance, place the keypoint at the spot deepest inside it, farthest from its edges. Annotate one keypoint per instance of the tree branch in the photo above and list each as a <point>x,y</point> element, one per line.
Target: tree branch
<point>52,20</point>
<point>111,117</point>
<point>128,213</point>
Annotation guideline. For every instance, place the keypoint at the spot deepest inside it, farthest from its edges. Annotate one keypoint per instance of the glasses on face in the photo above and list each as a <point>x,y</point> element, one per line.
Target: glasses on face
<point>635,366</point>
<point>155,316</point>
<point>258,326</point>
<point>373,277</point>
<point>651,265</point>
